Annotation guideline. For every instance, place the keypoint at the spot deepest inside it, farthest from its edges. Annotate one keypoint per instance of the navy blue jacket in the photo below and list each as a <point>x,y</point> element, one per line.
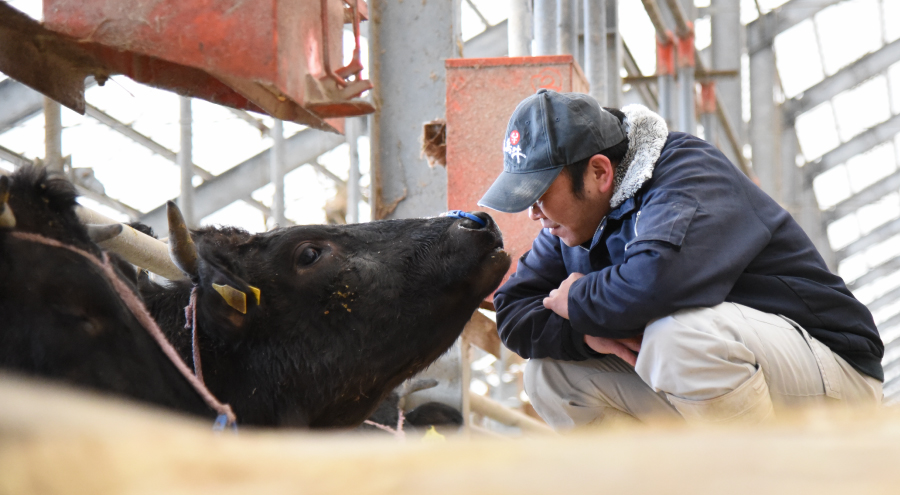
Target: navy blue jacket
<point>696,234</point>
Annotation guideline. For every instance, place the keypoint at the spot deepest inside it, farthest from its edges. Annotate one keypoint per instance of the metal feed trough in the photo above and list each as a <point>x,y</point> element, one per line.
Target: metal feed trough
<point>280,57</point>
<point>481,95</point>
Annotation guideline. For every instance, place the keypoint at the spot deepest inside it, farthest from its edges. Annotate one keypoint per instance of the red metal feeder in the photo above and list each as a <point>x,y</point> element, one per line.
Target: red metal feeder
<point>481,95</point>
<point>281,57</point>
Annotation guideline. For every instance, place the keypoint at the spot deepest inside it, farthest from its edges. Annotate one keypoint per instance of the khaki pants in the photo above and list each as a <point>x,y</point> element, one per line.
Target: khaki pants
<point>699,356</point>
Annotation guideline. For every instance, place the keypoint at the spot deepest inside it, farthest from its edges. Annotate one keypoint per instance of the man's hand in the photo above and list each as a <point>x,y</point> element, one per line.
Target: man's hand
<point>624,348</point>
<point>558,300</point>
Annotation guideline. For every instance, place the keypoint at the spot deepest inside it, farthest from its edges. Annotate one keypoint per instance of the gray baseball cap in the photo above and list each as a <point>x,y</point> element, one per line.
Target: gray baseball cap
<point>547,131</point>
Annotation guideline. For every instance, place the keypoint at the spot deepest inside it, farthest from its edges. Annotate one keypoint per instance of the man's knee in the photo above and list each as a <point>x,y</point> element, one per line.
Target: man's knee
<point>695,352</point>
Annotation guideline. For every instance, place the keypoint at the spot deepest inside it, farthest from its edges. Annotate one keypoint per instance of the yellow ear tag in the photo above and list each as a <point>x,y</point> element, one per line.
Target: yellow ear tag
<point>235,298</point>
<point>432,435</point>
<point>256,293</point>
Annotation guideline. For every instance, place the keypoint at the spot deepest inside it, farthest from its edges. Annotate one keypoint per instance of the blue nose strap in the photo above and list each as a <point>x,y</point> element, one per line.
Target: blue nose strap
<point>466,215</point>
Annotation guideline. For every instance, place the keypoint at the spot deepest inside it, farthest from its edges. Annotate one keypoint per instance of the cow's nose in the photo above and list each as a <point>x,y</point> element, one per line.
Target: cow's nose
<point>486,220</point>
<point>475,220</point>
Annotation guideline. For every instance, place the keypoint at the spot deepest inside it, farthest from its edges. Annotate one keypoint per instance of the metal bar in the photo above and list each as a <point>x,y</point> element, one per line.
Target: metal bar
<point>185,161</point>
<point>519,28</point>
<point>726,47</point>
<point>53,159</point>
<point>20,103</point>
<point>545,27</point>
<point>129,132</point>
<point>615,49</point>
<point>884,300</point>
<point>277,172</point>
<point>683,25</point>
<point>859,144</point>
<point>246,117</point>
<point>595,51</point>
<point>864,68</point>
<point>492,42</point>
<point>479,14</point>
<point>708,116</point>
<point>20,161</point>
<point>761,32</point>
<point>868,195</point>
<point>764,121</point>
<point>12,157</point>
<point>352,127</point>
<point>566,28</point>
<point>502,414</point>
<point>880,234</point>
<point>135,247</point>
<point>886,268</point>
<point>250,175</point>
<point>648,92</point>
<point>403,186</point>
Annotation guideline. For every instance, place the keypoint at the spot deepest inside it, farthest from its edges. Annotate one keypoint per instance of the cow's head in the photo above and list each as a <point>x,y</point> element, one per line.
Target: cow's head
<point>315,324</point>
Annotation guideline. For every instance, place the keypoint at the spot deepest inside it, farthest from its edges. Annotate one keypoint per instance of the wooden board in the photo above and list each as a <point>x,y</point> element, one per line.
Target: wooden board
<point>54,440</point>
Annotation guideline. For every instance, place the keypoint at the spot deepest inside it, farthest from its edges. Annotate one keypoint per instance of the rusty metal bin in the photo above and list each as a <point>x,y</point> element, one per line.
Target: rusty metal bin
<point>481,95</point>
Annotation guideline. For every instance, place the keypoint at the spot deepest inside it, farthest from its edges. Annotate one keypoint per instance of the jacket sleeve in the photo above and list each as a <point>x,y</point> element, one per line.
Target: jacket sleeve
<point>694,236</point>
<point>525,325</point>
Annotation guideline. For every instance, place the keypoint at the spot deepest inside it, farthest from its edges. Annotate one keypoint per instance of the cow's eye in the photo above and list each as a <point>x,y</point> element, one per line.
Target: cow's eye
<point>308,256</point>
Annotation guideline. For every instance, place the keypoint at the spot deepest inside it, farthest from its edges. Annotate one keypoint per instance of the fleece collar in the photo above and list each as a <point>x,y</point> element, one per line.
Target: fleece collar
<point>647,133</point>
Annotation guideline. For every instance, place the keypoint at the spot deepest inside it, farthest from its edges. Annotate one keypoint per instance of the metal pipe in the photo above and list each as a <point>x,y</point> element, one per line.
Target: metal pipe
<point>566,28</point>
<point>276,172</point>
<point>595,52</point>
<point>686,118</point>
<point>185,161</point>
<point>52,136</point>
<point>353,126</point>
<point>615,50</point>
<point>496,411</point>
<point>763,123</point>
<point>135,247</point>
<point>665,71</point>
<point>727,40</point>
<point>519,28</point>
<point>545,27</point>
<point>708,111</point>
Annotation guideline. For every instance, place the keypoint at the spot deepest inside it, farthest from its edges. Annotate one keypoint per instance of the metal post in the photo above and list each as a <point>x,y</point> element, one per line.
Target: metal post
<point>352,128</point>
<point>708,117</point>
<point>595,51</point>
<point>686,120</point>
<point>545,27</point>
<point>566,28</point>
<point>727,39</point>
<point>410,89</point>
<point>614,51</point>
<point>276,172</point>
<point>763,121</point>
<point>185,161</point>
<point>665,72</point>
<point>519,28</point>
<point>52,136</point>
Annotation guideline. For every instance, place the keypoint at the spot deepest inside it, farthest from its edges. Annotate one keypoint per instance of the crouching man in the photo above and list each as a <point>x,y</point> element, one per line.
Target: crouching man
<point>664,282</point>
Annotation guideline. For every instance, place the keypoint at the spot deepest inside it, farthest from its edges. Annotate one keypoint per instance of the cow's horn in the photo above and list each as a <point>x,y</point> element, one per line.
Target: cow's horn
<point>100,233</point>
<point>235,298</point>
<point>181,246</point>
<point>7,219</point>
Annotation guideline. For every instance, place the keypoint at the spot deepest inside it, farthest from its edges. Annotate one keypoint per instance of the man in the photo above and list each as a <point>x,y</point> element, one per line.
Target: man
<point>664,282</point>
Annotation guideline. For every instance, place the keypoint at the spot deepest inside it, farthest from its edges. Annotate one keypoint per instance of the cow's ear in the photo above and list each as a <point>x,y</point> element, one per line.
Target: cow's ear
<point>227,302</point>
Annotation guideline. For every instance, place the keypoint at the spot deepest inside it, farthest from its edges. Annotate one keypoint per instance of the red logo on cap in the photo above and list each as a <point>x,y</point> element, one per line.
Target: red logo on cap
<point>514,138</point>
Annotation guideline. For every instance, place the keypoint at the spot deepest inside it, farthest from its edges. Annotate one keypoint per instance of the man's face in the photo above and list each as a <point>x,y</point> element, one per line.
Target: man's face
<point>574,220</point>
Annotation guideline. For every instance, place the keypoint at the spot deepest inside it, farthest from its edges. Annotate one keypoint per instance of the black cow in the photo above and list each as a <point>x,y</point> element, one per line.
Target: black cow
<point>344,313</point>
